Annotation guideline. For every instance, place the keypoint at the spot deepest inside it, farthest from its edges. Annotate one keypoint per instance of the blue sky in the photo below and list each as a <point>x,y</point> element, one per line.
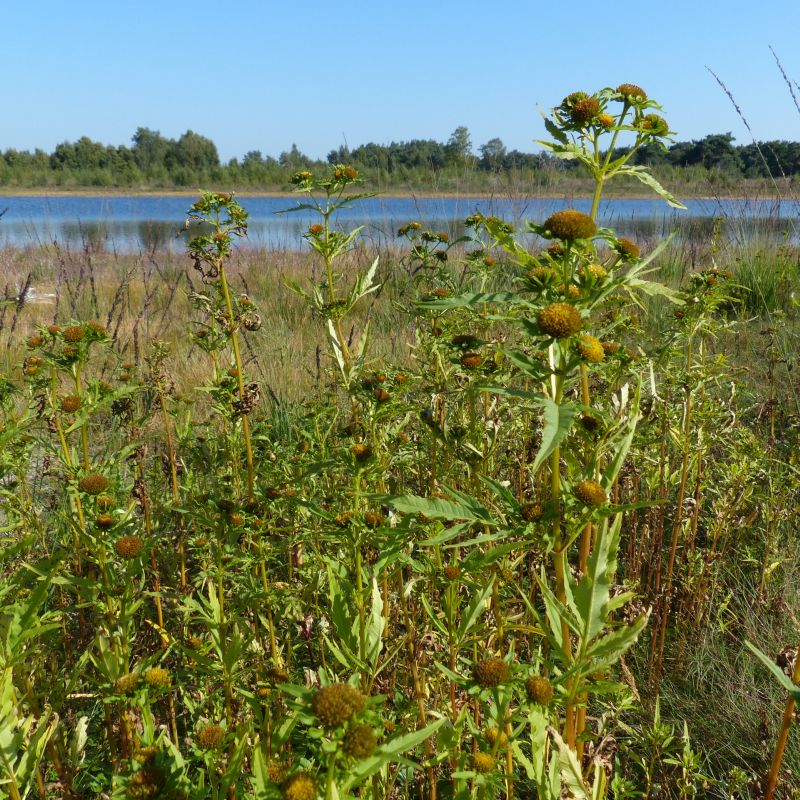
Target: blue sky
<point>262,75</point>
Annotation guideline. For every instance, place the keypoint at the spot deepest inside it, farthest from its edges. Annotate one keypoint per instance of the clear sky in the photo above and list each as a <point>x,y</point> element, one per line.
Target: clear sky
<point>261,75</point>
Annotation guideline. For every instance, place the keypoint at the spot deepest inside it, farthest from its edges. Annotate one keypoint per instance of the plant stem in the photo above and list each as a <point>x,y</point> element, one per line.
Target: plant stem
<point>783,736</point>
<point>226,295</point>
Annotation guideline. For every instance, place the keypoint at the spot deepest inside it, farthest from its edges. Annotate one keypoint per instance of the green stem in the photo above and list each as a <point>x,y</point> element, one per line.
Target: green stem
<point>223,281</point>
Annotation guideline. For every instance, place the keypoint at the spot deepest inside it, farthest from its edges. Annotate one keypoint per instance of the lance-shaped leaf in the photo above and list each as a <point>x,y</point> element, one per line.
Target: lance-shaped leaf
<point>435,508</point>
<point>592,593</point>
<point>783,679</point>
<point>558,419</point>
<point>571,775</point>
<point>641,173</point>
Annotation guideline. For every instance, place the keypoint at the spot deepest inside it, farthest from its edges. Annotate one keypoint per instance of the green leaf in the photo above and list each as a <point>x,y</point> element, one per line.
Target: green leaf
<point>609,648</point>
<point>261,782</point>
<point>571,775</point>
<point>643,175</point>
<point>622,443</point>
<point>593,591</point>
<point>472,299</point>
<point>408,741</point>
<point>558,418</point>
<point>476,607</point>
<point>530,366</point>
<point>783,679</point>
<point>555,131</point>
<point>436,508</point>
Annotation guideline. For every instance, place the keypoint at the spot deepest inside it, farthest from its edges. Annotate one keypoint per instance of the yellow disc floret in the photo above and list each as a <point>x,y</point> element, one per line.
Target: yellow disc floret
<point>570,224</point>
<point>591,349</point>
<point>590,493</point>
<point>539,690</point>
<point>559,320</point>
<point>491,672</point>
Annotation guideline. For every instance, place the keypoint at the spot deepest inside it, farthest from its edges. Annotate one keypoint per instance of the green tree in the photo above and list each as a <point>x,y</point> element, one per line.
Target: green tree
<point>493,155</point>
<point>150,149</point>
<point>459,147</point>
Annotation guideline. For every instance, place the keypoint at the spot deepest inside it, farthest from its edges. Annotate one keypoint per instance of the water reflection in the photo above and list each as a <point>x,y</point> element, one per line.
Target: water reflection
<point>136,224</point>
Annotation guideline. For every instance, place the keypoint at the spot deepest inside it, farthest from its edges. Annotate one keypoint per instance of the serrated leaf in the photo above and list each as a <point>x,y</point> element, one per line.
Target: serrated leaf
<point>571,774</point>
<point>472,299</point>
<point>592,593</point>
<point>435,508</point>
<point>609,648</point>
<point>643,176</point>
<point>555,131</point>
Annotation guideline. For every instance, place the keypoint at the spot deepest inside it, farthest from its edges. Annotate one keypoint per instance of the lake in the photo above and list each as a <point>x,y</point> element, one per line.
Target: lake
<point>134,223</point>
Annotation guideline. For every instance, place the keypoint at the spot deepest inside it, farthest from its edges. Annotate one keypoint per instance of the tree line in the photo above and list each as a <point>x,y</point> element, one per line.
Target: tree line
<point>156,161</point>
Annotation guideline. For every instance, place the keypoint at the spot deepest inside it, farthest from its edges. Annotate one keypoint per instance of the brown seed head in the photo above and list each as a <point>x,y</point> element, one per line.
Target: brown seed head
<point>373,519</point>
<point>569,225</point>
<point>104,521</point>
<point>585,111</point>
<point>381,394</point>
<point>336,703</point>
<point>316,229</point>
<point>539,690</point>
<point>559,320</point>
<point>590,493</point>
<point>129,547</point>
<point>54,330</point>
<point>451,572</point>
<point>93,483</point>
<point>632,93</point>
<point>75,333</point>
<point>361,451</point>
<point>471,360</point>
<point>531,512</point>
<point>35,340</point>
<point>360,741</point>
<point>210,737</point>
<point>71,403</point>
<point>126,684</point>
<point>97,328</point>
<point>573,98</point>
<point>627,249</point>
<point>491,672</point>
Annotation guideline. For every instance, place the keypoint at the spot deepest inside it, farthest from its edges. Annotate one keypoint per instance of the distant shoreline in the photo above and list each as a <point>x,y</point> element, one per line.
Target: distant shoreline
<point>565,195</point>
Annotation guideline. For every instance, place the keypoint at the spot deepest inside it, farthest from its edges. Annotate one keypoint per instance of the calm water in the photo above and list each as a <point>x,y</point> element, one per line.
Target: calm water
<point>137,223</point>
